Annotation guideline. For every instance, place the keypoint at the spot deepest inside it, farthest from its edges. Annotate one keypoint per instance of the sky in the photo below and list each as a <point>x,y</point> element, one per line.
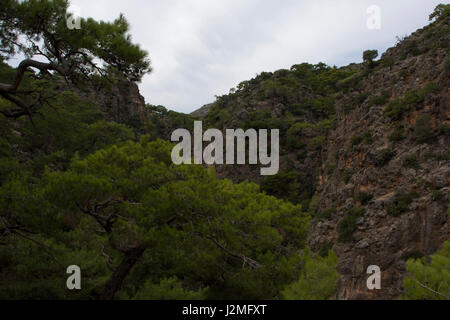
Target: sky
<point>202,48</point>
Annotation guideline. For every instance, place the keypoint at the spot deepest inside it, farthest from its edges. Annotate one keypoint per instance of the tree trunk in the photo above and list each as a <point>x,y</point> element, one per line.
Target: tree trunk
<point>116,280</point>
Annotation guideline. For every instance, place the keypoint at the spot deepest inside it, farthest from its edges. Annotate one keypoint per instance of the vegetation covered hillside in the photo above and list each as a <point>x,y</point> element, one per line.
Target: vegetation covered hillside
<point>364,148</point>
<point>86,176</point>
<point>86,181</point>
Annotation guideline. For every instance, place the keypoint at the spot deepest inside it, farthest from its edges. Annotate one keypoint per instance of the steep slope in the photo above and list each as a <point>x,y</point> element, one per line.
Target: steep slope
<point>363,147</point>
<point>400,177</point>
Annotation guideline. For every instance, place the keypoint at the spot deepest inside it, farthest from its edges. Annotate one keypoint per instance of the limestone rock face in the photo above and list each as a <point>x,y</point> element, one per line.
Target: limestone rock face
<point>202,112</point>
<point>383,169</point>
<point>382,239</point>
<point>122,103</point>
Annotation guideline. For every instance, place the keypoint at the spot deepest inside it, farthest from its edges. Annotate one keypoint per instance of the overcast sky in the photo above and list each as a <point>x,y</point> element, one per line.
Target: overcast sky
<point>202,48</point>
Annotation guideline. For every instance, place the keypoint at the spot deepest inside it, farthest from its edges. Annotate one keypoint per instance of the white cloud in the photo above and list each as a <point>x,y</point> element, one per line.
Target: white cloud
<point>200,48</point>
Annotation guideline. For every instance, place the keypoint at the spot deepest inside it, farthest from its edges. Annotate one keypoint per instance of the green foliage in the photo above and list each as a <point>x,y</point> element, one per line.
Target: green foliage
<point>347,226</point>
<point>325,248</point>
<point>363,197</point>
<point>296,138</point>
<point>294,135</point>
<point>317,143</point>
<point>365,138</point>
<point>76,188</point>
<point>387,62</point>
<point>429,279</point>
<point>440,12</point>
<point>413,99</point>
<point>369,56</point>
<point>423,130</point>
<point>137,185</point>
<point>447,65</point>
<point>437,195</point>
<point>412,255</point>
<point>410,47</point>
<point>318,280</point>
<point>444,129</point>
<point>302,94</point>
<point>360,98</point>
<point>404,72</point>
<point>412,162</point>
<point>331,167</point>
<point>401,202</point>
<point>325,214</point>
<point>321,107</point>
<point>352,82</point>
<point>383,157</point>
<point>348,173</point>
<point>66,126</point>
<point>444,156</point>
<point>378,100</point>
<point>37,272</point>
<point>162,122</point>
<point>291,185</point>
<point>262,119</point>
<point>398,134</point>
<point>168,289</point>
<point>92,55</point>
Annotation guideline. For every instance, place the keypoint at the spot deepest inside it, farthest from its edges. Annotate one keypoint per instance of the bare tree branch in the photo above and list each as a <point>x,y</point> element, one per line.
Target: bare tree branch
<point>109,262</point>
<point>429,289</point>
<point>23,66</point>
<point>252,263</point>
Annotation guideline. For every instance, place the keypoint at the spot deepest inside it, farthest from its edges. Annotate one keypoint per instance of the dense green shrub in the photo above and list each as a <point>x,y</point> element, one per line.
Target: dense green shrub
<point>135,190</point>
<point>404,72</point>
<point>325,248</point>
<point>168,289</point>
<point>290,185</point>
<point>369,56</point>
<point>423,130</point>
<point>383,157</point>
<point>351,82</point>
<point>387,62</point>
<point>360,98</point>
<point>440,12</point>
<point>364,197</point>
<point>412,162</point>
<point>429,279</point>
<point>378,100</point>
<point>294,134</point>
<point>447,65</point>
<point>444,129</point>
<point>317,281</point>
<point>347,226</point>
<point>365,138</point>
<point>411,255</point>
<point>401,203</point>
<point>348,173</point>
<point>398,134</point>
<point>325,214</point>
<point>321,107</point>
<point>410,47</point>
<point>437,195</point>
<point>397,108</point>
<point>317,143</point>
<point>444,156</point>
<point>331,167</point>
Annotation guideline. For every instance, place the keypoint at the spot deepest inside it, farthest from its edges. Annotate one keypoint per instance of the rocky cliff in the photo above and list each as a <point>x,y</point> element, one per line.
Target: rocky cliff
<point>365,148</point>
<point>121,103</point>
<point>395,226</point>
